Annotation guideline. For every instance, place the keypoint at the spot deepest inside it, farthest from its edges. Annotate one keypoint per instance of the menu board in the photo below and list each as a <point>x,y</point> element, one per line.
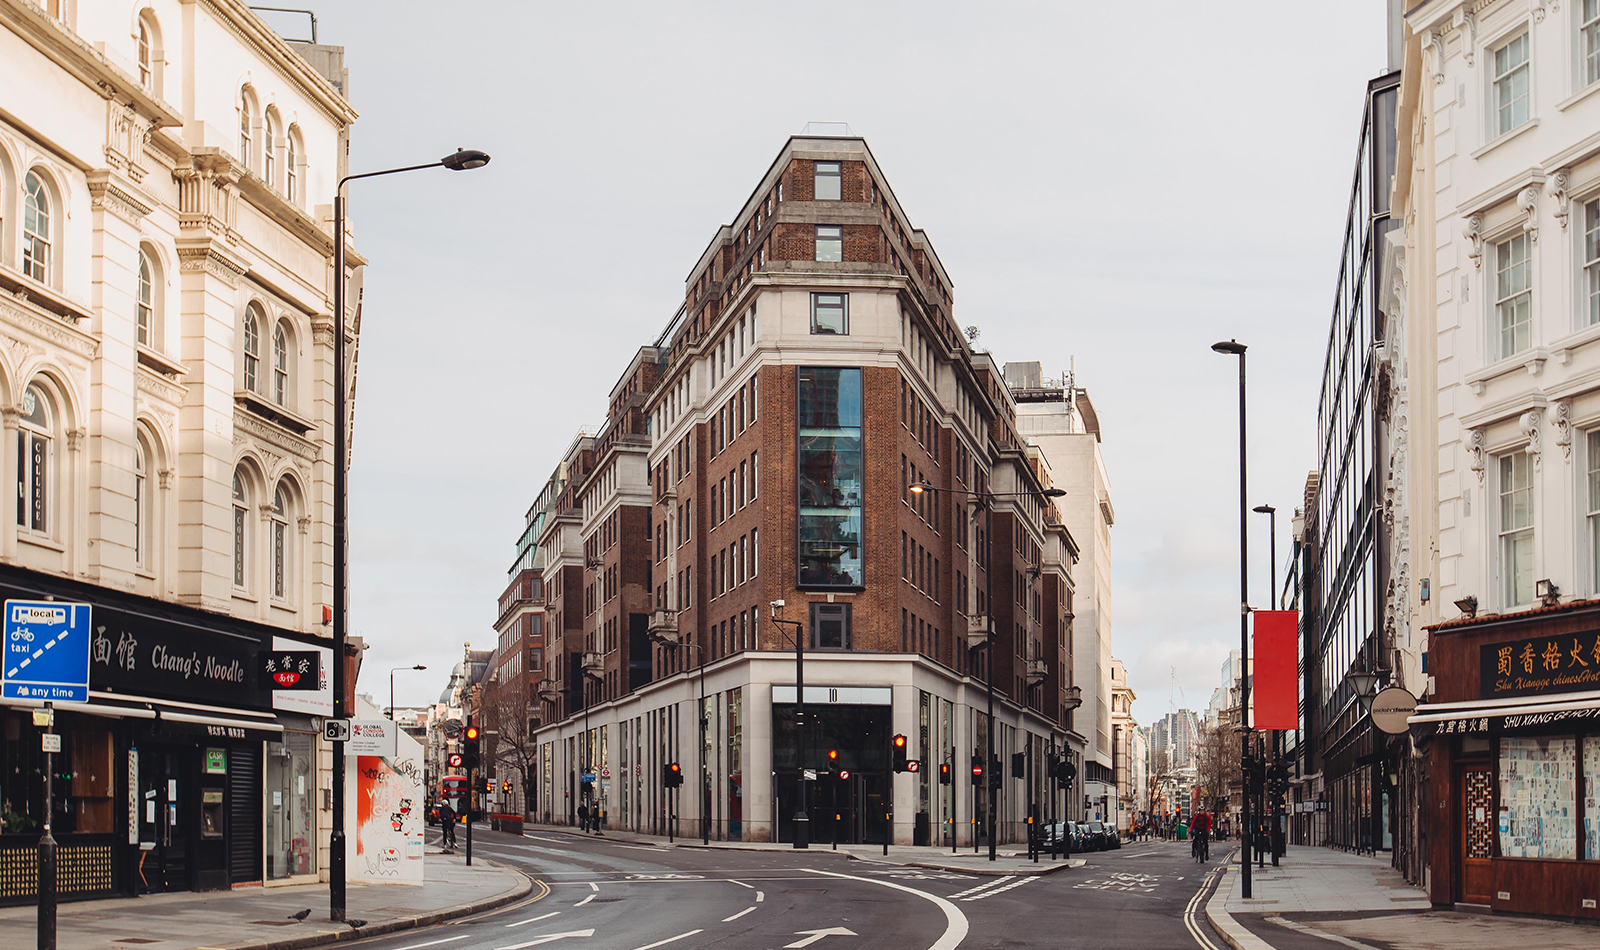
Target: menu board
<point>1538,797</point>
<point>1591,797</point>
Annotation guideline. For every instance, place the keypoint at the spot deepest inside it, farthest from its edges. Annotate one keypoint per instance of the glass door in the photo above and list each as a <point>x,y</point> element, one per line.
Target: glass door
<point>166,813</point>
<point>288,789</point>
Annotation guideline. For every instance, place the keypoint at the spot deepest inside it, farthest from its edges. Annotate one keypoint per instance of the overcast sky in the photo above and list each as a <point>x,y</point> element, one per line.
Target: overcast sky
<point>1123,183</point>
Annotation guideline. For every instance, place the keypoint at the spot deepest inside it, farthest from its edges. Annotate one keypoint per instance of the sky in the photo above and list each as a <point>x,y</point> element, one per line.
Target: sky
<point>1115,185</point>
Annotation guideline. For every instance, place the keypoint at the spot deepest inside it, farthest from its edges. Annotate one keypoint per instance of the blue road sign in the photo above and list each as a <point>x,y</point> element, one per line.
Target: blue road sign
<point>46,651</point>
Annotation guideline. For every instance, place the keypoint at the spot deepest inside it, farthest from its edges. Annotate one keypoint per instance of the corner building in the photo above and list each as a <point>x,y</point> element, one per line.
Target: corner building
<point>762,449</point>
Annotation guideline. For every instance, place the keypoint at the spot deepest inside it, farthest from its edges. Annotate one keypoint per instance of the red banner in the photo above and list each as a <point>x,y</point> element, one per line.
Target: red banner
<point>1275,660</point>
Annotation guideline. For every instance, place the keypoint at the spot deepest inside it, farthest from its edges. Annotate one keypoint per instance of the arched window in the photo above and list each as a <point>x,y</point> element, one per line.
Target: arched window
<point>270,149</point>
<point>280,366</point>
<point>146,74</point>
<point>291,169</point>
<point>246,140</point>
<point>141,500</point>
<point>146,317</point>
<point>241,524</point>
<point>280,543</point>
<point>35,461</point>
<point>252,346</point>
<point>35,228</point>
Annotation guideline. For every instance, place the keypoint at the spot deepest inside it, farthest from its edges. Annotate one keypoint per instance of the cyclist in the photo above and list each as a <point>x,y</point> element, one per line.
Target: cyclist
<point>1202,837</point>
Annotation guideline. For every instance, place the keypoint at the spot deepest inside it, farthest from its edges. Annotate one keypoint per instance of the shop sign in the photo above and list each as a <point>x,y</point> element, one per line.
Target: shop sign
<point>147,657</point>
<point>1534,666</point>
<point>1392,709</point>
<point>290,669</point>
<point>313,701</point>
<point>216,761</point>
<point>370,737</point>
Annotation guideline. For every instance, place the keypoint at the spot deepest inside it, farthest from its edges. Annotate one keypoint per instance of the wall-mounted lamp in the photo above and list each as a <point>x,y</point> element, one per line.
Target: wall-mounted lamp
<point>1468,606</point>
<point>1547,591</point>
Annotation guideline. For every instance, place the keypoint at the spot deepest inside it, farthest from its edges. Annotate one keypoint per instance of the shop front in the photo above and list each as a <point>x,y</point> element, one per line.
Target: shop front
<point>178,773</point>
<point>1512,738</point>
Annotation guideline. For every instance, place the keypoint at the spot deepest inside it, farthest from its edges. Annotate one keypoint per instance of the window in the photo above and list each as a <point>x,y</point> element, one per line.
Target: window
<point>830,626</point>
<point>830,242</point>
<point>252,346</point>
<point>35,228</point>
<point>1538,803</point>
<point>291,171</point>
<point>280,543</point>
<point>141,500</point>
<point>828,313</point>
<point>1513,294</point>
<point>1594,508</point>
<point>35,455</point>
<point>143,54</point>
<point>1511,85</point>
<point>245,142</point>
<point>829,477</point>
<point>269,148</point>
<point>145,318</point>
<point>280,366</point>
<point>1591,255</point>
<point>1516,528</point>
<point>240,525</point>
<point>1590,27</point>
<point>827,182</point>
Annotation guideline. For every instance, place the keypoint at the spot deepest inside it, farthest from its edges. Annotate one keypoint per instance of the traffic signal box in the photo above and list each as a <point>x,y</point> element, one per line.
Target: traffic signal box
<point>469,748</point>
<point>977,770</point>
<point>900,762</point>
<point>671,775</point>
<point>1019,765</point>
<point>944,773</point>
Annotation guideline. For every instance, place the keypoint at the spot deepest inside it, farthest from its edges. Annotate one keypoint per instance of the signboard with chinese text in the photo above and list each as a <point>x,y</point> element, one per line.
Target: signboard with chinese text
<point>145,656</point>
<point>1534,666</point>
<point>312,703</point>
<point>290,670</point>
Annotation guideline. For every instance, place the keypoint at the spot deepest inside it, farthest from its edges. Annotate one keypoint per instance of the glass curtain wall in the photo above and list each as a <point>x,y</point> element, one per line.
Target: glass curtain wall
<point>829,476</point>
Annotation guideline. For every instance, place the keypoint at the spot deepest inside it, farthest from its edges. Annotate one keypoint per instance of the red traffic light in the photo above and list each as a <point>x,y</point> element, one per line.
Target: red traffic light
<point>472,733</point>
<point>833,755</point>
<point>674,768</point>
<point>899,742</point>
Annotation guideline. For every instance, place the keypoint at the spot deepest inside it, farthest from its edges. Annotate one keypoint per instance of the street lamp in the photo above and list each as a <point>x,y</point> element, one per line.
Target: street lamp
<point>985,500</point>
<point>460,160</point>
<point>1235,348</point>
<point>802,821</point>
<point>392,719</point>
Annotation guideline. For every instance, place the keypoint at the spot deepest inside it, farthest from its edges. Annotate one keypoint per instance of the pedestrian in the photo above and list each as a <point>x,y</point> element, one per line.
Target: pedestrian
<point>447,823</point>
<point>583,817</point>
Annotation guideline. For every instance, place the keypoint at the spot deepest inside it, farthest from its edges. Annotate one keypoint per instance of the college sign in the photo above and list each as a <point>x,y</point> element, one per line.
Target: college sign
<point>1534,666</point>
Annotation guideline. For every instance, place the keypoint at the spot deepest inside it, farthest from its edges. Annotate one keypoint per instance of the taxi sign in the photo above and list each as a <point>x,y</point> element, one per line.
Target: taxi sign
<point>46,654</point>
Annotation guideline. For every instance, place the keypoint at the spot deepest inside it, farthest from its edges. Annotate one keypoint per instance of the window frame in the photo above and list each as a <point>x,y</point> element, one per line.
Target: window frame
<point>241,532</point>
<point>844,314</point>
<point>1589,258</point>
<point>144,302</point>
<point>37,244</point>
<point>830,245</point>
<point>1504,297</point>
<point>279,554</point>
<point>280,365</point>
<point>36,450</point>
<point>1499,123</point>
<point>1507,535</point>
<point>814,627</point>
<point>1588,34</point>
<point>254,316</point>
<point>827,171</point>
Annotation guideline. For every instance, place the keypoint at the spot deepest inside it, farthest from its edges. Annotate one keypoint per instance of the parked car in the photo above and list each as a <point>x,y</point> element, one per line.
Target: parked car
<point>1058,838</point>
<point>1102,836</point>
<point>1114,837</point>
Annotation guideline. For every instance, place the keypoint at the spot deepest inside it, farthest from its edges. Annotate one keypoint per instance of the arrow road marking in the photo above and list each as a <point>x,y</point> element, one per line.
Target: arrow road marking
<point>662,943</point>
<point>532,920</point>
<point>547,938</point>
<point>956,926</point>
<point>584,901</point>
<point>818,935</point>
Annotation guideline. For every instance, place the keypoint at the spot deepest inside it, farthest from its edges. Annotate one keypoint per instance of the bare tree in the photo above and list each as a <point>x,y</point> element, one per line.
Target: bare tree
<point>515,748</point>
<point>1217,764</point>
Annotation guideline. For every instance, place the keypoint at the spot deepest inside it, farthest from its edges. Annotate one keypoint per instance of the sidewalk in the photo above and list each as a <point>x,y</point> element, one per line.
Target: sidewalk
<point>1008,860</point>
<point>1320,895</point>
<point>257,918</point>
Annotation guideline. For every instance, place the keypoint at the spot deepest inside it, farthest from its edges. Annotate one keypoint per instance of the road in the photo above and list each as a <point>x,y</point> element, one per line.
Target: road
<point>610,895</point>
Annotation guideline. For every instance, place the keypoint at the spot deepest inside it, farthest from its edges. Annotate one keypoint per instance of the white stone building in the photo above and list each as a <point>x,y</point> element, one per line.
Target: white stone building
<point>166,335</point>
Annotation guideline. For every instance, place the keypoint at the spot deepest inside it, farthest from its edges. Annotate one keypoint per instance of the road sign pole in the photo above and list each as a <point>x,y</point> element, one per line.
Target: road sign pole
<point>47,852</point>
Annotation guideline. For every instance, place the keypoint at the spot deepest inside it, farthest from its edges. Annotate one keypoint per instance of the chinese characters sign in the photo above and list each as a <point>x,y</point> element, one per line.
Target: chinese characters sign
<point>1534,666</point>
<point>290,669</point>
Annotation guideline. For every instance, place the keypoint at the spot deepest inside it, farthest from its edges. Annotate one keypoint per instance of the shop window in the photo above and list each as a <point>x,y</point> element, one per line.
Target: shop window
<point>1538,797</point>
<point>1591,803</point>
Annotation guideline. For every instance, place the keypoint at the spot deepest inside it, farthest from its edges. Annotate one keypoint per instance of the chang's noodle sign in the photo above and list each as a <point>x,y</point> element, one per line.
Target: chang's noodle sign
<point>1534,666</point>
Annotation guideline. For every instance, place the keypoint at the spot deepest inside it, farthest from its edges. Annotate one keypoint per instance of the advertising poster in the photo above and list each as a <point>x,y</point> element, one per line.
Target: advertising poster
<point>386,847</point>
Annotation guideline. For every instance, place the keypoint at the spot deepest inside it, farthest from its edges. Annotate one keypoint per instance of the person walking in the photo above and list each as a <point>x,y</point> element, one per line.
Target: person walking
<point>447,824</point>
<point>583,817</point>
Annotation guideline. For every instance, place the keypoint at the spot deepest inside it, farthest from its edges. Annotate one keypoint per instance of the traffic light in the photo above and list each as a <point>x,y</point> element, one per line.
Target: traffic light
<point>505,786</point>
<point>488,786</point>
<point>994,771</point>
<point>944,773</point>
<point>900,753</point>
<point>671,775</point>
<point>977,770</point>
<point>469,747</point>
<point>1019,765</point>
<point>833,757</point>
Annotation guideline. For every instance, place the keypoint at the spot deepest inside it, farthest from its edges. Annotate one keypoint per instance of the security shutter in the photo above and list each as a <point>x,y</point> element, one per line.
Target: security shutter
<point>244,813</point>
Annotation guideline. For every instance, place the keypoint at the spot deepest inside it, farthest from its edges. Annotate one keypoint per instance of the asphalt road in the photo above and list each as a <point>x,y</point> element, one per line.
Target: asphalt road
<point>609,895</point>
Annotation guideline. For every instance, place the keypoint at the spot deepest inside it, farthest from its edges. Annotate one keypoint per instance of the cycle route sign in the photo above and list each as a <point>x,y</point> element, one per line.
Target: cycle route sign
<point>46,651</point>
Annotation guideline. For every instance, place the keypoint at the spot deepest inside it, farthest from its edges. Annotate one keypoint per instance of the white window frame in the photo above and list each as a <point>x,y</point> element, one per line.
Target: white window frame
<point>280,365</point>
<point>1588,34</point>
<point>269,150</point>
<point>1509,299</point>
<point>251,348</point>
<point>36,241</point>
<point>1509,534</point>
<point>246,130</point>
<point>1500,122</point>
<point>1589,259</point>
<point>142,55</point>
<point>291,174</point>
<point>1591,506</point>
<point>278,539</point>
<point>145,309</point>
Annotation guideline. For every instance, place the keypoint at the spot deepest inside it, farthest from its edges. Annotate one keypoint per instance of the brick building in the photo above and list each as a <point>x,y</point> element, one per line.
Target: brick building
<point>762,450</point>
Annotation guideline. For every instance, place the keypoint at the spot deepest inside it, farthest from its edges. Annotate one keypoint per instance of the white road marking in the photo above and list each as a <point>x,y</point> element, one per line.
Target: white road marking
<point>812,936</point>
<point>992,882</point>
<point>419,946</point>
<point>1004,887</point>
<point>532,920</point>
<point>658,943</point>
<point>956,926</point>
<point>641,847</point>
<point>593,886</point>
<point>741,913</point>
<point>760,896</point>
<point>547,938</point>
<point>584,901</point>
<point>741,883</point>
<point>1313,931</point>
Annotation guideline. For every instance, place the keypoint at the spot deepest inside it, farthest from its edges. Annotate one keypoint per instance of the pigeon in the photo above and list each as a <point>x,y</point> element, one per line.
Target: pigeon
<point>302,915</point>
<point>356,923</point>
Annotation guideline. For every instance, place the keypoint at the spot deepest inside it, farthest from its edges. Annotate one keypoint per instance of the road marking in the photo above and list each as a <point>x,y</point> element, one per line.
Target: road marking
<point>584,901</point>
<point>664,877</point>
<point>815,935</point>
<point>1189,921</point>
<point>547,938</point>
<point>593,886</point>
<point>760,896</point>
<point>658,943</point>
<point>741,883</point>
<point>992,882</point>
<point>956,926</point>
<point>1307,929</point>
<point>419,946</point>
<point>532,920</point>
<point>1004,887</point>
<point>729,920</point>
<point>642,847</point>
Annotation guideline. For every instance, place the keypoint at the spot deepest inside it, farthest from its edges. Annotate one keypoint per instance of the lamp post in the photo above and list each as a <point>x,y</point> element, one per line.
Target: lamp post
<point>461,160</point>
<point>802,821</point>
<point>1364,683</point>
<point>985,500</point>
<point>397,669</point>
<point>1235,348</point>
<point>1277,734</point>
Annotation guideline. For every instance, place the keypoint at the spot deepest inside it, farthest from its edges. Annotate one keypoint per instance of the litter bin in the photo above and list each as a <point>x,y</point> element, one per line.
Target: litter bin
<point>1183,832</point>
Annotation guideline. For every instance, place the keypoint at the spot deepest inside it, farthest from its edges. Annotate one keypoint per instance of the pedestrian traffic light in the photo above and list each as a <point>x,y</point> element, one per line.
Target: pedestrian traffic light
<point>469,747</point>
<point>900,753</point>
<point>944,773</point>
<point>977,770</point>
<point>671,775</point>
<point>1019,765</point>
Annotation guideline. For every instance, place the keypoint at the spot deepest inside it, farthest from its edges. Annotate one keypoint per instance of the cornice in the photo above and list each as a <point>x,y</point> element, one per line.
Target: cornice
<point>239,20</point>
<point>107,195</point>
<point>20,314</point>
<point>245,424</point>
<point>154,384</point>
<point>83,62</point>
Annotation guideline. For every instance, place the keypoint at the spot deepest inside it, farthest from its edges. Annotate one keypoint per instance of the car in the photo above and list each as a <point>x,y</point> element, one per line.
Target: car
<point>1058,838</point>
<point>1114,836</point>
<point>1102,835</point>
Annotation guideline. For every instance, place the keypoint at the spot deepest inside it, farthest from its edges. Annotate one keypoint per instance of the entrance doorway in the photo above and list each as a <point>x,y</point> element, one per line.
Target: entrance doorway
<point>1476,833</point>
<point>167,806</point>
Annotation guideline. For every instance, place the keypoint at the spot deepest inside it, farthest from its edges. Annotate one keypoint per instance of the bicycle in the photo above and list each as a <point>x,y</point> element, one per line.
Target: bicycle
<point>1200,848</point>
